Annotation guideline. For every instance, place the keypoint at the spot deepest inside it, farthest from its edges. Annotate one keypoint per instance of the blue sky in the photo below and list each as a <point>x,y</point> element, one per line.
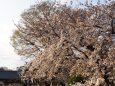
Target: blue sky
<point>10,11</point>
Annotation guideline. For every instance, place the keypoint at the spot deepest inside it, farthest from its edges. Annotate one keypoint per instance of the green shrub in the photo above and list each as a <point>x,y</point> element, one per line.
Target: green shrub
<point>76,78</point>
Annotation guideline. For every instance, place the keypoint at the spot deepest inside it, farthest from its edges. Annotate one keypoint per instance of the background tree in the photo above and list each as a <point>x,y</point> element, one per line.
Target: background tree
<point>4,69</point>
